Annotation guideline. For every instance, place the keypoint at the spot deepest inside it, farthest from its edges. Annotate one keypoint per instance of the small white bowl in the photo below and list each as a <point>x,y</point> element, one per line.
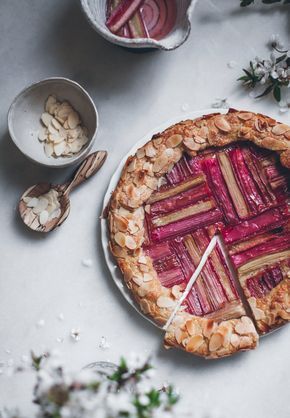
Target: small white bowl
<point>26,109</point>
<point>95,11</point>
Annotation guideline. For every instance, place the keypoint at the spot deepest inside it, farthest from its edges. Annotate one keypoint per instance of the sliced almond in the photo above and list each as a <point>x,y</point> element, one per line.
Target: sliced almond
<point>42,135</point>
<point>174,140</point>
<point>46,118</point>
<point>194,343</point>
<point>41,205</point>
<point>147,277</point>
<point>56,138</point>
<point>245,115</point>
<point>43,217</point>
<point>73,120</point>
<point>130,242</point>
<point>59,148</point>
<point>56,124</point>
<point>216,341</point>
<point>280,129</point>
<point>51,101</point>
<point>48,149</point>
<point>31,202</point>
<point>165,302</point>
<point>120,239</point>
<point>222,124</point>
<point>191,144</point>
<point>199,140</point>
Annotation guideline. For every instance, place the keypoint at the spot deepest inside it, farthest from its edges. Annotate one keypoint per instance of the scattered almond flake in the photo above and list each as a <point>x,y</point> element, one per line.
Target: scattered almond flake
<point>40,323</point>
<point>283,109</point>
<point>75,334</point>
<point>10,362</point>
<point>87,262</point>
<point>104,344</point>
<point>63,133</point>
<point>232,64</point>
<point>59,340</point>
<point>7,351</point>
<point>220,104</point>
<point>60,316</point>
<point>185,107</point>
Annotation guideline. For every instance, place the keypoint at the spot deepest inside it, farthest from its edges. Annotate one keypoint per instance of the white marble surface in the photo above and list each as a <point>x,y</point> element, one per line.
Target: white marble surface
<point>41,276</point>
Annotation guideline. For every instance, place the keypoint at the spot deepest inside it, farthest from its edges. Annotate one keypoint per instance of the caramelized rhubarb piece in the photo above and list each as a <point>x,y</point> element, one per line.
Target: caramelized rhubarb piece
<point>192,210</point>
<point>273,251</point>
<point>231,310</point>
<point>219,189</point>
<point>198,286</point>
<point>171,278</point>
<point>258,175</point>
<point>137,27</point>
<point>183,257</point>
<point>266,221</point>
<point>251,193</point>
<point>180,172</point>
<point>158,251</point>
<point>209,280</point>
<point>250,243</point>
<point>260,285</point>
<point>166,264</point>
<point>193,303</point>
<point>279,243</point>
<point>218,264</point>
<point>233,188</point>
<point>173,191</point>
<point>180,201</point>
<point>185,225</point>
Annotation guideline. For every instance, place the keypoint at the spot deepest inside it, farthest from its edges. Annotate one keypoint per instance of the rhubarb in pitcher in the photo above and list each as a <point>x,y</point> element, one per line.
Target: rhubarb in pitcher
<point>141,18</point>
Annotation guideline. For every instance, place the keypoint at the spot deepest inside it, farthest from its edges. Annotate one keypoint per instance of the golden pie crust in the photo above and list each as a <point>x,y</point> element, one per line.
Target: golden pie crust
<point>141,176</point>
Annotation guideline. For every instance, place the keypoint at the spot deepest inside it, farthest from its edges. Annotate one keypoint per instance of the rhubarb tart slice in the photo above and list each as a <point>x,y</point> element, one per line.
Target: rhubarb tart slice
<point>223,178</point>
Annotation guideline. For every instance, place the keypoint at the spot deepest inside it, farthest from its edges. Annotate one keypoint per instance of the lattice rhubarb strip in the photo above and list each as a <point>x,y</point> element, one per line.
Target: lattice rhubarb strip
<point>186,225</point>
<point>219,189</point>
<point>166,192</point>
<point>249,189</point>
<point>232,185</point>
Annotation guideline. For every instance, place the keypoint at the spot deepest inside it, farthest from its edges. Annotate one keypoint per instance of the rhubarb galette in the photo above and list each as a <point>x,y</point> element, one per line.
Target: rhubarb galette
<point>225,175</point>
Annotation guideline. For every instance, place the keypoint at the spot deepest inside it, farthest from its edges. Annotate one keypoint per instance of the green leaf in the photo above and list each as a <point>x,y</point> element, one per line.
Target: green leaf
<point>36,360</point>
<point>265,92</point>
<point>245,3</point>
<point>277,93</point>
<point>270,1</point>
<point>281,58</point>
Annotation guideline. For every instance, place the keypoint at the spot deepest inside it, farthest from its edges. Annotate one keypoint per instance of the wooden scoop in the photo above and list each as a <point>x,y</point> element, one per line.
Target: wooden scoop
<point>44,206</point>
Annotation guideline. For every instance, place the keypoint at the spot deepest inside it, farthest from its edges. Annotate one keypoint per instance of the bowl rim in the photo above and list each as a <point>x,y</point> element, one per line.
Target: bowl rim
<point>141,42</point>
<point>55,163</point>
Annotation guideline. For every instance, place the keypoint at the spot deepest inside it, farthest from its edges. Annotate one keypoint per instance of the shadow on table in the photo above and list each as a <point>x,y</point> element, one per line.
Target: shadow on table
<point>82,54</point>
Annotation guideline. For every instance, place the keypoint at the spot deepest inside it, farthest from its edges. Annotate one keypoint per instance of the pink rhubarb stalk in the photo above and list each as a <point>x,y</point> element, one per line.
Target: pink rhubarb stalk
<point>260,223</point>
<point>122,13</point>
<point>218,187</point>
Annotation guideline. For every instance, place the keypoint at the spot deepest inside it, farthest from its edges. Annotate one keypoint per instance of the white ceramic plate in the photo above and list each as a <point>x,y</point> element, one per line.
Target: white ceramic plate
<point>111,263</point>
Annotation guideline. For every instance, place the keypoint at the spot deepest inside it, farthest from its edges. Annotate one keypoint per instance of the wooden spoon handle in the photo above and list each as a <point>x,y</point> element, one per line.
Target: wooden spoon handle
<point>88,168</point>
